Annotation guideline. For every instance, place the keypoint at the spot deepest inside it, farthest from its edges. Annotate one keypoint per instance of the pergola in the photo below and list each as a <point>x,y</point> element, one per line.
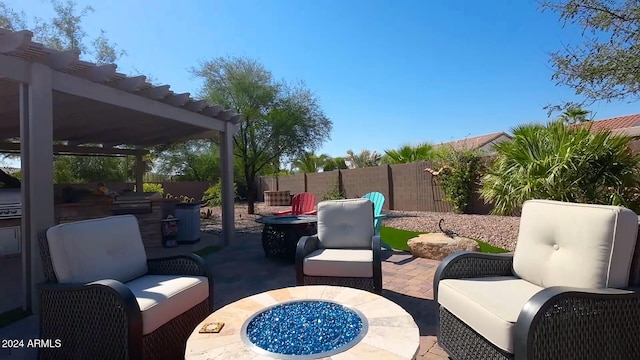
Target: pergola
<point>56,103</point>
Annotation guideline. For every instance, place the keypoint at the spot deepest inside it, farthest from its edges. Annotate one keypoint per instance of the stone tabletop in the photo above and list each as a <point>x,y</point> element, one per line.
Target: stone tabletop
<point>391,334</point>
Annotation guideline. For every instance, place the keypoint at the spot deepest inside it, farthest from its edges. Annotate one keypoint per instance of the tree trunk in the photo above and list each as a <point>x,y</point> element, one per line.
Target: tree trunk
<point>251,200</point>
<point>251,194</point>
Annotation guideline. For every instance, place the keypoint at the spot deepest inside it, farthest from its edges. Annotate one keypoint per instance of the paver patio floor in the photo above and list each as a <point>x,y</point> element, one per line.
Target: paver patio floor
<point>242,270</point>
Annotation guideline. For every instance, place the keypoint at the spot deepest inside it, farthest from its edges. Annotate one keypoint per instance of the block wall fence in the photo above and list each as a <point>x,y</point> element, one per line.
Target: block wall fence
<point>406,187</point>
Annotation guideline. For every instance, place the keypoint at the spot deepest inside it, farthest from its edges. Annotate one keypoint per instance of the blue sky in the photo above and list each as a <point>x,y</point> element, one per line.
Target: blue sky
<point>386,72</point>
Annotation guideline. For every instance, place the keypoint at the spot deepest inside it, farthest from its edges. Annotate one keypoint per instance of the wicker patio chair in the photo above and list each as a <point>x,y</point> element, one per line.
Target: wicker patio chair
<point>563,294</point>
<point>105,300</point>
<point>345,251</point>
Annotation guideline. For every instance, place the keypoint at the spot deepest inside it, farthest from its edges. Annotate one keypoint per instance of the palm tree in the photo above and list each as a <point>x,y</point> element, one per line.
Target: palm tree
<point>557,162</point>
<point>309,162</point>
<point>574,115</point>
<point>365,158</point>
<point>408,154</point>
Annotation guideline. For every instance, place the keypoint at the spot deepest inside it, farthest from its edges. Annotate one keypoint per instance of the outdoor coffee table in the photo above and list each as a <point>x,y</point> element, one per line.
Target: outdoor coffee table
<point>281,234</point>
<point>308,322</point>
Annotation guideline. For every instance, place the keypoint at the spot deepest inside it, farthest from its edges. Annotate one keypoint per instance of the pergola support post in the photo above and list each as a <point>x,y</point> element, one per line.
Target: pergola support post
<point>140,170</point>
<point>228,195</point>
<point>36,136</point>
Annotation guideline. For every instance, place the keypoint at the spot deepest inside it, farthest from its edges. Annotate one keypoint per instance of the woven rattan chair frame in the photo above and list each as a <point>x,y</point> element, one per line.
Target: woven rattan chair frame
<point>556,323</point>
<point>102,319</point>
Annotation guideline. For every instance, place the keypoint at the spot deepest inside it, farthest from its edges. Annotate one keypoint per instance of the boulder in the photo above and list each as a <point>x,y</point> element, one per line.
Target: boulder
<point>437,246</point>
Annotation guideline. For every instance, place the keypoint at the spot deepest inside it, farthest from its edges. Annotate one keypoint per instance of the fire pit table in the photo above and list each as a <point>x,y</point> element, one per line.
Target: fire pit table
<point>308,322</point>
<point>281,234</point>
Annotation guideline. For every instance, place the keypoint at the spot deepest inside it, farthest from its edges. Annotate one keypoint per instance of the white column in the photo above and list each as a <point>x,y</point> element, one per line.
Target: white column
<point>36,150</point>
<point>140,167</point>
<point>228,201</point>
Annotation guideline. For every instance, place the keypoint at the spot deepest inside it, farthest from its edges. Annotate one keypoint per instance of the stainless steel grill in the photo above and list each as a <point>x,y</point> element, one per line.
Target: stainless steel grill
<point>10,204</point>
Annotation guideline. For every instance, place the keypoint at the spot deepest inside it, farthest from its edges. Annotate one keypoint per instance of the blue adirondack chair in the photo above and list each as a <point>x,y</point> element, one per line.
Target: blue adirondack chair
<point>378,202</point>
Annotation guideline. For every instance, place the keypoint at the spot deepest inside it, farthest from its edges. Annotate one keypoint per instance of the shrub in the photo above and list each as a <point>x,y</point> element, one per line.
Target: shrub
<point>213,195</point>
<point>556,162</point>
<point>153,187</point>
<point>459,170</point>
<point>334,194</point>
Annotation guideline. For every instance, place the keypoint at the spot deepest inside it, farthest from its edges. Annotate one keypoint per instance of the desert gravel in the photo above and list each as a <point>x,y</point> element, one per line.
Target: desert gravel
<point>500,231</point>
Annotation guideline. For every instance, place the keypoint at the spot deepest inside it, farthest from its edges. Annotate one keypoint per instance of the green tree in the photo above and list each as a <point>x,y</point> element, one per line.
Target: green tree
<point>309,162</point>
<point>574,115</point>
<point>408,154</point>
<point>605,65</point>
<point>335,163</point>
<point>77,169</point>
<point>281,120</point>
<point>555,162</point>
<point>363,159</point>
<point>64,31</point>
<point>194,160</point>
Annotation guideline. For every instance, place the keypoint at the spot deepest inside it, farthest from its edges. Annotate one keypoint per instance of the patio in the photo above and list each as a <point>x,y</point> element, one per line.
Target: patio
<point>241,270</point>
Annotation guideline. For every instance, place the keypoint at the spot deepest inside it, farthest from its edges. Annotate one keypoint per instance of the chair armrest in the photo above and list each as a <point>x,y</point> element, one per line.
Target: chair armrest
<point>81,314</point>
<point>562,322</point>
<point>470,264</point>
<point>191,264</point>
<point>376,246</point>
<point>283,212</point>
<point>381,216</point>
<point>188,265</point>
<point>306,245</point>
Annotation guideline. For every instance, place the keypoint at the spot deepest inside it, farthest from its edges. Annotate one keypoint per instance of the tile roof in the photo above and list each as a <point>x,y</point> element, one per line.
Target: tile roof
<point>474,143</point>
<point>620,122</point>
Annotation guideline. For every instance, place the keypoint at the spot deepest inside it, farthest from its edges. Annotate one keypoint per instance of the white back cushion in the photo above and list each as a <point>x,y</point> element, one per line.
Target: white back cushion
<point>578,245</point>
<point>345,224</point>
<point>97,249</point>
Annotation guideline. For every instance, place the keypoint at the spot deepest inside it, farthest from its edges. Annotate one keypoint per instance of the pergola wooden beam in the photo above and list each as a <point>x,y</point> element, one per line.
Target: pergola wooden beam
<point>84,88</point>
<point>10,147</point>
<point>155,92</point>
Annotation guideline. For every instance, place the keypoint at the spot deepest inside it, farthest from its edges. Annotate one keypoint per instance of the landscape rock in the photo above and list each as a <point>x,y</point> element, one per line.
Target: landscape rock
<point>437,246</point>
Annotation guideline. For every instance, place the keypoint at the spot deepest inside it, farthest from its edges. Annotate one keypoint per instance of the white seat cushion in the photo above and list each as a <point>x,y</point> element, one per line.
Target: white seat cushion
<point>164,297</point>
<point>490,305</point>
<point>339,263</point>
<point>97,249</point>
<point>576,245</point>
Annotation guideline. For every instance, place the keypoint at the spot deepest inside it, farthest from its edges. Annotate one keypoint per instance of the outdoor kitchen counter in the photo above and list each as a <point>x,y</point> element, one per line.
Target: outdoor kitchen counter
<point>91,209</point>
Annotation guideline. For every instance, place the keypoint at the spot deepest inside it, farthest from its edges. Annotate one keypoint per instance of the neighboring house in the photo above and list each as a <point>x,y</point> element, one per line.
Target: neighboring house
<point>628,125</point>
<point>624,125</point>
<point>484,143</point>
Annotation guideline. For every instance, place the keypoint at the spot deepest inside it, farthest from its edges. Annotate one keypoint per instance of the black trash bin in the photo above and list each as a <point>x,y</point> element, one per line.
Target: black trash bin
<point>170,231</point>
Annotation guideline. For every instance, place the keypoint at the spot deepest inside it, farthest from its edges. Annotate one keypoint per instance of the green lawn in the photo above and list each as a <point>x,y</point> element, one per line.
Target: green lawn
<point>397,239</point>
<point>208,250</point>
